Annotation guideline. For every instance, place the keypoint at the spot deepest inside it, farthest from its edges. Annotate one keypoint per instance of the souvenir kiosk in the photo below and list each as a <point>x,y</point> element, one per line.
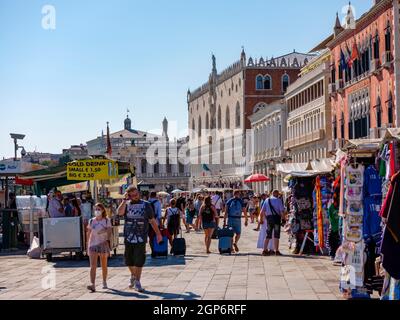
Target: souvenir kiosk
<point>67,234</point>
<point>361,185</point>
<point>309,186</point>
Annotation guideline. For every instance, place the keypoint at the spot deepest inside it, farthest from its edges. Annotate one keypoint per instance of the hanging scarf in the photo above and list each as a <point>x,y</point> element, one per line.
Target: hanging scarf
<point>320,218</point>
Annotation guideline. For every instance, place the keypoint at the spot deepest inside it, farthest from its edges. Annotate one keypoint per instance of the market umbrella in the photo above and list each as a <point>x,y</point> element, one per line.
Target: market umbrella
<point>162,194</point>
<point>177,191</point>
<point>257,178</point>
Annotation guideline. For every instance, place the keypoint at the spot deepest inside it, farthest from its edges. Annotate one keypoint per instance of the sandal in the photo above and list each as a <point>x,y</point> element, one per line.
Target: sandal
<point>91,288</point>
<point>277,253</point>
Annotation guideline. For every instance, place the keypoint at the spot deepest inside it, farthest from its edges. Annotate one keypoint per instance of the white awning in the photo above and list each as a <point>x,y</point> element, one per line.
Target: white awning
<point>305,169</point>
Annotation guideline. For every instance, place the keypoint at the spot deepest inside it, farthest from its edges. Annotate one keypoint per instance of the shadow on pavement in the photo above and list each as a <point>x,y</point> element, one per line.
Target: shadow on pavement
<point>148,295</point>
<point>126,294</point>
<point>174,296</point>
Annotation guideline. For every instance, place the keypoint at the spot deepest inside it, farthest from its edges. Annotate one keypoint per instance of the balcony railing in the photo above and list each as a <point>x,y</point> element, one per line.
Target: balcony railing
<point>303,139</point>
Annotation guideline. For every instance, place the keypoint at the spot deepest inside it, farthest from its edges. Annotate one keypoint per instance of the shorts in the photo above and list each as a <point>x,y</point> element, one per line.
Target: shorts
<point>235,224</point>
<point>209,225</point>
<point>103,248</point>
<point>173,227</point>
<point>135,254</point>
<point>273,227</point>
<point>189,219</point>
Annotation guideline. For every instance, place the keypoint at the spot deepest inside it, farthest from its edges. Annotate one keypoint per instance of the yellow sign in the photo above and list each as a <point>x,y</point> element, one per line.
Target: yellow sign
<point>84,170</point>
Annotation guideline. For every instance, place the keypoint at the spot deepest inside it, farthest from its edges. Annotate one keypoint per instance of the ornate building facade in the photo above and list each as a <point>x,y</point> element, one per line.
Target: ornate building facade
<point>268,124</point>
<point>363,81</point>
<point>309,112</point>
<point>158,164</point>
<point>220,137</point>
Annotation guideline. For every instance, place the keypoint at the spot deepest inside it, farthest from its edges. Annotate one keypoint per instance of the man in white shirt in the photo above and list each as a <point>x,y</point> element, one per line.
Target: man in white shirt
<point>218,203</point>
<point>271,213</point>
<point>56,209</point>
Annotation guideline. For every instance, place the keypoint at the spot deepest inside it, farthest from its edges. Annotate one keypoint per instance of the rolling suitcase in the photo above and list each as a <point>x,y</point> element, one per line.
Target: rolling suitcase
<point>160,250</point>
<point>225,240</point>
<point>179,246</point>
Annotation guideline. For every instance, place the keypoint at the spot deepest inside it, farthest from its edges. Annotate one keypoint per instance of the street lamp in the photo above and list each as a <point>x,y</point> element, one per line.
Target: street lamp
<point>17,137</point>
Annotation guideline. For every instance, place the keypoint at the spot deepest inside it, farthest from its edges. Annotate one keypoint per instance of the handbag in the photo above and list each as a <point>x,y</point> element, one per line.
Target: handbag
<point>275,216</point>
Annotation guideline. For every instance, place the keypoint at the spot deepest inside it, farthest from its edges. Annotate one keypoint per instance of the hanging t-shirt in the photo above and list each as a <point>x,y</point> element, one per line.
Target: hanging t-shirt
<point>372,182</point>
<point>355,176</point>
<point>333,218</point>
<point>372,220</point>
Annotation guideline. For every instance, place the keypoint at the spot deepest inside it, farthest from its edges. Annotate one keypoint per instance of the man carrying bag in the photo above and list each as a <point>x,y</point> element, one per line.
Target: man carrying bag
<point>272,211</point>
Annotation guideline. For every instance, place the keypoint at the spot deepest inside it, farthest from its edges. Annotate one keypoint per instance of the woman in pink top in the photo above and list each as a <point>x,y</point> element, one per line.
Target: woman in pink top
<point>99,235</point>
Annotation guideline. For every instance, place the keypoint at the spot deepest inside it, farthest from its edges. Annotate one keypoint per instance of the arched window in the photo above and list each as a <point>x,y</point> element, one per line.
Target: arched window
<point>342,126</point>
<point>259,82</point>
<point>193,129</point>
<point>219,118</point>
<point>376,46</point>
<point>169,166</point>
<point>157,168</point>
<point>227,118</point>
<point>390,108</point>
<point>143,165</point>
<point>237,115</point>
<point>207,121</point>
<point>267,82</point>
<point>378,113</point>
<point>199,127</point>
<point>285,82</point>
<point>181,168</point>
<point>388,38</point>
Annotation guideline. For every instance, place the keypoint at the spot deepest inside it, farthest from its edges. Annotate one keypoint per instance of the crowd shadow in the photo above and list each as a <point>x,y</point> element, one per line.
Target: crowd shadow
<point>147,294</point>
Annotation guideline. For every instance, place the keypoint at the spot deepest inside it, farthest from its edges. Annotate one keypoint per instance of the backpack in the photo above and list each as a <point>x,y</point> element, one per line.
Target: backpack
<point>232,203</point>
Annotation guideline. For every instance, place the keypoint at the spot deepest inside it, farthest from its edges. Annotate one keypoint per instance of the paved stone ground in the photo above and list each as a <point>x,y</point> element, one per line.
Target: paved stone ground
<point>246,275</point>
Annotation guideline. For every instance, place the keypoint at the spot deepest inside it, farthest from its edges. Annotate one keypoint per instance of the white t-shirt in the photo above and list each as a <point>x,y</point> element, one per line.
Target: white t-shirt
<point>99,231</point>
<point>217,202</point>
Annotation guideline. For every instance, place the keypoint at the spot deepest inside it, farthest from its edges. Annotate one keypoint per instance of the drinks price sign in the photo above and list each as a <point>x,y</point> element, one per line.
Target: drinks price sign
<point>84,170</point>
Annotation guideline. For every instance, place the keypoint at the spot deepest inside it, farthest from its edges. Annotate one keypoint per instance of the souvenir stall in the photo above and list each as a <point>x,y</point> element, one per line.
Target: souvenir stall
<point>91,174</point>
<point>309,195</point>
<point>361,231</point>
<point>388,264</point>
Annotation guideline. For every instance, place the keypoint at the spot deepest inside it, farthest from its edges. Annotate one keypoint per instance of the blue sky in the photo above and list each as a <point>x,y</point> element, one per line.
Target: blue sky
<point>60,87</point>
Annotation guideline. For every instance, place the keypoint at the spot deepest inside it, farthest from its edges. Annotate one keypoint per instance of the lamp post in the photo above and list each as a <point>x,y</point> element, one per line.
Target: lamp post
<point>272,172</point>
<point>16,137</point>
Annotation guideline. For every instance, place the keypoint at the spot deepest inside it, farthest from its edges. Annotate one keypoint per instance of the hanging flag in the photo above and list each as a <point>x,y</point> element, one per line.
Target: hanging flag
<point>109,147</point>
<point>354,54</point>
<point>343,63</point>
